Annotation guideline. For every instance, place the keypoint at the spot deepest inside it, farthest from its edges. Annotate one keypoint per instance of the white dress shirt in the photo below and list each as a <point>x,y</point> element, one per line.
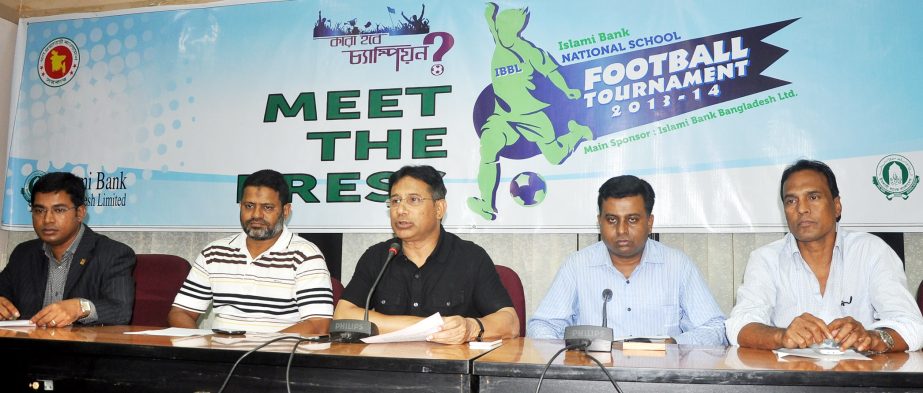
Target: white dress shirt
<point>866,281</point>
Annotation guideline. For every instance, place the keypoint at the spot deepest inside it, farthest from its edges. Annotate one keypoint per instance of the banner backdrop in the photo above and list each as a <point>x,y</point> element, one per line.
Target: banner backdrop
<point>527,107</point>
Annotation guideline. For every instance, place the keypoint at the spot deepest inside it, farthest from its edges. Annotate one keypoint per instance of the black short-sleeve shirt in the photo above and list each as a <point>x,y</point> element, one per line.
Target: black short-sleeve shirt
<point>457,279</point>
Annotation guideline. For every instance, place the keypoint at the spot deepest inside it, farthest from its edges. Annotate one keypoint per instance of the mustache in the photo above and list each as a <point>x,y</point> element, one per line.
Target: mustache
<point>259,220</point>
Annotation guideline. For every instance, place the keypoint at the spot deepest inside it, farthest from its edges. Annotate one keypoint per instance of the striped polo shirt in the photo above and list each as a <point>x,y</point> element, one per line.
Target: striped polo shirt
<point>284,285</point>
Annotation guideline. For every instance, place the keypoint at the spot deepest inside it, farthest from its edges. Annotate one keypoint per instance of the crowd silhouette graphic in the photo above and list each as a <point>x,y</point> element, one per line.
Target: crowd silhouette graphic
<point>415,24</point>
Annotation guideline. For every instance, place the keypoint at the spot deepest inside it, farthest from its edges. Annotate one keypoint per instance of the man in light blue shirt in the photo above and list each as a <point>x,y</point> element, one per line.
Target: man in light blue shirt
<point>657,291</point>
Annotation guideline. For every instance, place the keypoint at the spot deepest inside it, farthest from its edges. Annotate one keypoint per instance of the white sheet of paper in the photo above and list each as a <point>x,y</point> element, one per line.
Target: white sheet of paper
<point>17,323</point>
<point>24,329</point>
<point>190,342</point>
<point>175,332</point>
<point>815,354</point>
<point>416,332</point>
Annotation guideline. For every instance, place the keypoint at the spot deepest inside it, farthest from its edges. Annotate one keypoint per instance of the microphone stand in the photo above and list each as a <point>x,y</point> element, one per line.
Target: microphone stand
<point>592,338</point>
<point>354,330</point>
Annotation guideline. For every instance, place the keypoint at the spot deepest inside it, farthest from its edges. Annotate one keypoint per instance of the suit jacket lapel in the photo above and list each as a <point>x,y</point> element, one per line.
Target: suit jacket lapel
<point>82,259</point>
<point>40,275</point>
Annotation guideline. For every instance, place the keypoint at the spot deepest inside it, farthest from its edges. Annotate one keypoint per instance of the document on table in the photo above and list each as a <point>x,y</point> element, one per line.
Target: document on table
<point>416,332</point>
<point>175,332</point>
<point>16,323</point>
<point>814,353</point>
<point>20,325</point>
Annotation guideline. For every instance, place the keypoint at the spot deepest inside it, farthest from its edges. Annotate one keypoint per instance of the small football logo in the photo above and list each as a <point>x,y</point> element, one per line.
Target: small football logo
<point>58,63</point>
<point>895,176</point>
<point>528,189</point>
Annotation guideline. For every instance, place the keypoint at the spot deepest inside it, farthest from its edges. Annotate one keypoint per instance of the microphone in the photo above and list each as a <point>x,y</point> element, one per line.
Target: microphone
<point>593,338</point>
<point>353,330</point>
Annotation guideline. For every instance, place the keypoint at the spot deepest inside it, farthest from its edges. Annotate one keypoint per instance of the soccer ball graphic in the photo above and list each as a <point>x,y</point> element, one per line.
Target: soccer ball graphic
<point>528,189</point>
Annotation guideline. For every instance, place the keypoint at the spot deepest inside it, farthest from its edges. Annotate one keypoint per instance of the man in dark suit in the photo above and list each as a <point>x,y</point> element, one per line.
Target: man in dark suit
<point>70,274</point>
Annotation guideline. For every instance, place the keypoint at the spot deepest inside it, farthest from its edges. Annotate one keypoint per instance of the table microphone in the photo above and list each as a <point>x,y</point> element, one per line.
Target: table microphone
<point>594,338</point>
<point>353,330</point>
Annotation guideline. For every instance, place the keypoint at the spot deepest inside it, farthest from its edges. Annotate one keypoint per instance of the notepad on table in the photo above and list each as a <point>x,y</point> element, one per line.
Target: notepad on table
<point>641,344</point>
<point>485,344</point>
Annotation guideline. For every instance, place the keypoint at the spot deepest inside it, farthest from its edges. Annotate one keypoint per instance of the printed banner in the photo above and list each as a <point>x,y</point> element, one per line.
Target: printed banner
<point>527,107</point>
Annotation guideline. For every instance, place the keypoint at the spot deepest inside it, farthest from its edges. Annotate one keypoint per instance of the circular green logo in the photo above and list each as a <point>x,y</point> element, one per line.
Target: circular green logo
<point>895,176</point>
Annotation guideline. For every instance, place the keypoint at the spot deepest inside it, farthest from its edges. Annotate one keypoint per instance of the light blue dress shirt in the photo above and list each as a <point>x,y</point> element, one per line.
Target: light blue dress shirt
<point>665,296</point>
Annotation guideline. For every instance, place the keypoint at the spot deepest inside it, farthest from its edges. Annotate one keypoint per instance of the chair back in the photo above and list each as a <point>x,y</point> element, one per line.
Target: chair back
<point>513,286</point>
<point>920,296</point>
<point>158,277</point>
<point>337,290</point>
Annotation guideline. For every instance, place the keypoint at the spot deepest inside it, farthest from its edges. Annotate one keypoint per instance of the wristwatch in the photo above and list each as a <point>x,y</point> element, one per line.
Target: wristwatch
<point>886,338</point>
<point>84,308</point>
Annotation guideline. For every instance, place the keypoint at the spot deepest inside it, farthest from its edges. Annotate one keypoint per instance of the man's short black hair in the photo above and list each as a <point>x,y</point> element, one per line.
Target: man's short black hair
<point>270,179</point>
<point>424,173</point>
<point>626,186</point>
<point>811,165</point>
<point>61,181</point>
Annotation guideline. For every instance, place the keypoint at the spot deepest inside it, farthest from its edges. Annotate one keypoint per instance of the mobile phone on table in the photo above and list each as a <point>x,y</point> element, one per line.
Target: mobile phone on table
<point>230,332</point>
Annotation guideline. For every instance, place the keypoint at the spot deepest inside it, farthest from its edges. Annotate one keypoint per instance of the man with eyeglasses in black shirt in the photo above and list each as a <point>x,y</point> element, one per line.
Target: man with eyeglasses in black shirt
<point>435,271</point>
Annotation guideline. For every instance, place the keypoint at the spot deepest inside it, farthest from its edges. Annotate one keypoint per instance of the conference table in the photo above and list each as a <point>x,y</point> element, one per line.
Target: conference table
<point>517,365</point>
<point>105,359</point>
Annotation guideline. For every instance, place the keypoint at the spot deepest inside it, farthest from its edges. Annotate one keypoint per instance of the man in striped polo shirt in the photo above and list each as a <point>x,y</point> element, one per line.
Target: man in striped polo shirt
<point>264,279</point>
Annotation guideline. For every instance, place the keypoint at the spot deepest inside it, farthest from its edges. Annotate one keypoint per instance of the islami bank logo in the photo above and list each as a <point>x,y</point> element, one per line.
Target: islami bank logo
<point>895,176</point>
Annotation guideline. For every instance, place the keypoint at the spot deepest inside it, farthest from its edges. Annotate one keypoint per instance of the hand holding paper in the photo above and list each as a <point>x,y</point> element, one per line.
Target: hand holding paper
<point>416,332</point>
<point>455,330</point>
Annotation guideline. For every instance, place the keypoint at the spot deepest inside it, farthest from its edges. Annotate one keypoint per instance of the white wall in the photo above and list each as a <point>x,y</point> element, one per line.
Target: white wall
<point>7,48</point>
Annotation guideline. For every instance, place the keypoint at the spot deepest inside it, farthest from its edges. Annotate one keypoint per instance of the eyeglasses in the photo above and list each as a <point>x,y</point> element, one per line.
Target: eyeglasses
<point>268,209</point>
<point>58,211</point>
<point>412,200</point>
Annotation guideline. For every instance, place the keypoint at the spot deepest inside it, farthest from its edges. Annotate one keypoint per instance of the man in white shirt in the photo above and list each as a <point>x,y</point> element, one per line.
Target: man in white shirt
<point>264,279</point>
<point>821,282</point>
